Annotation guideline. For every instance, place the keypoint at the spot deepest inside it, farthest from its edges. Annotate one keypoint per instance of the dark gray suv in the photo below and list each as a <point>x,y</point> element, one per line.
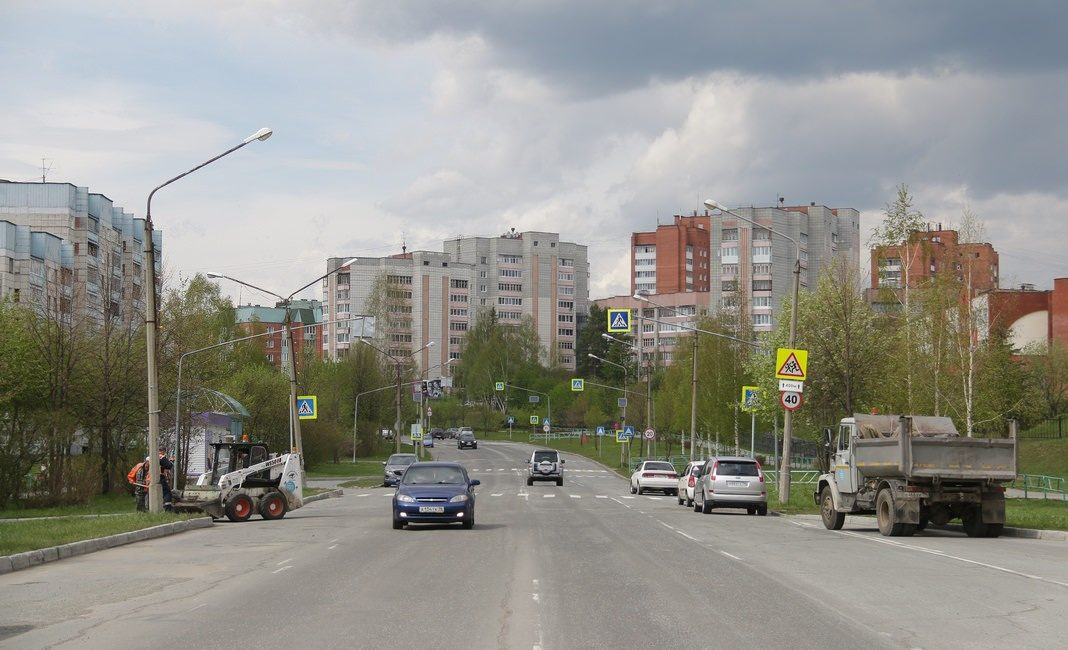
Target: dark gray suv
<point>545,465</point>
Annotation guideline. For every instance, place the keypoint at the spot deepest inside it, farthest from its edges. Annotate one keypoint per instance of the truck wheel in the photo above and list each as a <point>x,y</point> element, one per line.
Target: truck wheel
<point>994,530</point>
<point>972,518</point>
<point>273,506</point>
<point>889,526</point>
<point>924,520</point>
<point>832,519</point>
<point>239,507</point>
<point>530,481</point>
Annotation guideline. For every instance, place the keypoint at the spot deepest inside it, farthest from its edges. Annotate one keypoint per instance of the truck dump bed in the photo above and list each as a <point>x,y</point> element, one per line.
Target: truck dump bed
<point>933,450</point>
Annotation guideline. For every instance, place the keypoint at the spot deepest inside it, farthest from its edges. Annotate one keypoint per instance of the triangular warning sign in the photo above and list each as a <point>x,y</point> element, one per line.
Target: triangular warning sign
<point>619,322</point>
<point>305,408</point>
<point>791,368</point>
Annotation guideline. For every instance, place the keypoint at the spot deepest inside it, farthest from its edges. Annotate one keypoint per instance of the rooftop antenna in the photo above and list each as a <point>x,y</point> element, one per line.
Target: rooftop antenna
<point>45,170</point>
<point>782,199</point>
<point>404,245</point>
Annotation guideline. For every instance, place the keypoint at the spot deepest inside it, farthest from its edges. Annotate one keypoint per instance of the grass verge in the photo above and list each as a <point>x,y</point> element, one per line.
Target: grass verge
<point>28,535</point>
<point>363,482</point>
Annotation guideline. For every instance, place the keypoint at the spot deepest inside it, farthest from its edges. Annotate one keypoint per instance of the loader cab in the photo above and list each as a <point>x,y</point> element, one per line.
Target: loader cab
<point>232,456</point>
<point>842,463</point>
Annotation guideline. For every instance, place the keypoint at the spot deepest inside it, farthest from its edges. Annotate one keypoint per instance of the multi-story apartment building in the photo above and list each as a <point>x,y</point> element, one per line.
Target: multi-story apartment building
<point>435,297</point>
<point>305,320</point>
<point>71,251</point>
<point>752,268</point>
<point>422,295</point>
<point>673,258</point>
<point>930,253</point>
<point>658,322</point>
<point>531,274</point>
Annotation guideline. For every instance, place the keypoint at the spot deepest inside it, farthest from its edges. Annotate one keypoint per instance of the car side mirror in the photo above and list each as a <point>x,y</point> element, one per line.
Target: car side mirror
<point>475,482</point>
<point>827,434</point>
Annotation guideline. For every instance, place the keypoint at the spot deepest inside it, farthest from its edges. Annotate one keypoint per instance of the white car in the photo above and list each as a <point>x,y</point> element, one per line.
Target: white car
<point>687,482</point>
<point>655,475</point>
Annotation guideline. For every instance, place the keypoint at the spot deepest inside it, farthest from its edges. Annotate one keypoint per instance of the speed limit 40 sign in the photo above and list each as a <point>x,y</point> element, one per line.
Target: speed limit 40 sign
<point>790,400</point>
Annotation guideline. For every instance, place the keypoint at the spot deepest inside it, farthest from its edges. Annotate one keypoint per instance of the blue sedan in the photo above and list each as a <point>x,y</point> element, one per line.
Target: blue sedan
<point>435,493</point>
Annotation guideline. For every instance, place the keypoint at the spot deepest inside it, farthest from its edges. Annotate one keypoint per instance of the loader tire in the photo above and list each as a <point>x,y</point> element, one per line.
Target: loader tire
<point>273,506</point>
<point>239,507</point>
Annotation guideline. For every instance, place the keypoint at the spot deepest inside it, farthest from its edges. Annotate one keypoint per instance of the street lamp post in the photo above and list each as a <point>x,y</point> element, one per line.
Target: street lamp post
<point>787,427</point>
<point>397,361</point>
<point>356,412</point>
<point>155,489</point>
<point>296,443</point>
<point>425,407</point>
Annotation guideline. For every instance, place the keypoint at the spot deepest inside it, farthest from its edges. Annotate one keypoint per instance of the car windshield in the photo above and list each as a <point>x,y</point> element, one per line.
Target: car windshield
<point>434,475</point>
<point>660,467</point>
<point>736,468</point>
<point>401,459</point>
<point>467,436</point>
<point>540,456</point>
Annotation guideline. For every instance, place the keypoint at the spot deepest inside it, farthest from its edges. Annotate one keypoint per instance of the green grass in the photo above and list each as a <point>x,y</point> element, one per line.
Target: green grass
<point>98,505</point>
<point>29,535</point>
<point>1045,457</point>
<point>363,482</point>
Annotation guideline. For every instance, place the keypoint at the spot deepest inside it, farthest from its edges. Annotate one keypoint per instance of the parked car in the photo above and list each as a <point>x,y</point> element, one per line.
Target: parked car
<point>437,434</point>
<point>435,493</point>
<point>394,468</point>
<point>465,430</point>
<point>451,433</point>
<point>545,465</point>
<point>731,482</point>
<point>466,441</point>
<point>654,475</point>
<point>687,482</point>
<point>428,441</point>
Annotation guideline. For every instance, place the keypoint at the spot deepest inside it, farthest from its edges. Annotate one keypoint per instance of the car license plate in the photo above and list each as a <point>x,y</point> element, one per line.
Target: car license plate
<point>737,484</point>
<point>431,508</point>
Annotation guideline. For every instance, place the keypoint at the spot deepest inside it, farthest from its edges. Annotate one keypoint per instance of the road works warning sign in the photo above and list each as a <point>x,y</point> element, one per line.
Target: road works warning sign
<point>791,364</point>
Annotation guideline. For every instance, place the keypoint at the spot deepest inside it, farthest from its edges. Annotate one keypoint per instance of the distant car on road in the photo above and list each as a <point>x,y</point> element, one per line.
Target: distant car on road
<point>466,441</point>
<point>394,468</point>
<point>428,441</point>
<point>465,430</point>
<point>688,481</point>
<point>654,475</point>
<point>451,433</point>
<point>545,465</point>
<point>731,482</point>
<point>435,493</point>
<point>437,434</point>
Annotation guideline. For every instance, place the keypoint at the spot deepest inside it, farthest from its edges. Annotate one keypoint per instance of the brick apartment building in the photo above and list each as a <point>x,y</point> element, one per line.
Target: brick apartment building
<point>305,321</point>
<point>673,258</point>
<point>930,253</point>
<point>1032,317</point>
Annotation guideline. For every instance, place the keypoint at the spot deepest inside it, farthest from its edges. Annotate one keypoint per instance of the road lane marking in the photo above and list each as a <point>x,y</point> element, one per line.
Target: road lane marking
<point>365,494</point>
<point>694,539</point>
<point>665,525</point>
<point>620,502</point>
<point>943,554</point>
<point>497,494</point>
<point>733,557</point>
<point>196,607</point>
<point>575,496</point>
<point>331,547</point>
<point>333,540</point>
<point>630,497</point>
<point>282,569</point>
<point>285,561</point>
<point>602,496</point>
<point>549,496</point>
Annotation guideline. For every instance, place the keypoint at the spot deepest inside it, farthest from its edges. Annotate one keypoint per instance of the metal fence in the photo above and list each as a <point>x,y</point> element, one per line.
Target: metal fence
<point>1049,429</point>
<point>1047,485</point>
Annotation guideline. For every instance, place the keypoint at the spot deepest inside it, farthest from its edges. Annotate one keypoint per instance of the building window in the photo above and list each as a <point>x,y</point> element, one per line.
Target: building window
<point>565,318</point>
<point>762,269</point>
<point>729,269</point>
<point>566,262</point>
<point>457,312</point>
<point>761,285</point>
<point>565,331</point>
<point>510,273</point>
<point>762,234</point>
<point>509,300</point>
<point>505,286</point>
<point>457,327</point>
<point>730,285</point>
<point>456,340</point>
<point>565,277</point>
<point>509,259</point>
<point>458,297</point>
<point>566,345</point>
<point>761,319</point>
<point>565,304</point>
<point>762,301</point>
<point>567,291</point>
<point>399,279</point>
<point>458,284</point>
<point>730,234</point>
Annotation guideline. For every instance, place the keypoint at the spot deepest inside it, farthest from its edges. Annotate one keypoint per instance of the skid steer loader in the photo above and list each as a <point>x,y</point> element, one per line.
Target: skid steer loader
<point>244,478</point>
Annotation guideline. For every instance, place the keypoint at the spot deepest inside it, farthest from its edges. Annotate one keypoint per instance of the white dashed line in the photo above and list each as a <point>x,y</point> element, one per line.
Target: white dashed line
<point>549,496</point>
<point>282,569</point>
<point>331,547</point>
<point>733,557</point>
<point>575,496</point>
<point>497,494</point>
<point>601,496</point>
<point>694,539</point>
<point>285,561</point>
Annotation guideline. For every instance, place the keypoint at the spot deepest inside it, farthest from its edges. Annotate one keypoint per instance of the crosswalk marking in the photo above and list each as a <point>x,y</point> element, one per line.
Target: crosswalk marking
<point>549,496</point>
<point>497,494</point>
<point>575,496</point>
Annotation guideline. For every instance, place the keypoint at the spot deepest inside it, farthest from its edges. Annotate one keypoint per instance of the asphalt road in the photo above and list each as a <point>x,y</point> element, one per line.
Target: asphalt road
<point>586,565</point>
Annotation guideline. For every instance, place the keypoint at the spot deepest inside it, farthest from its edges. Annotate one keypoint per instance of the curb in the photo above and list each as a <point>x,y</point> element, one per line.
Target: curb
<point>332,494</point>
<point>18,561</point>
<point>1023,533</point>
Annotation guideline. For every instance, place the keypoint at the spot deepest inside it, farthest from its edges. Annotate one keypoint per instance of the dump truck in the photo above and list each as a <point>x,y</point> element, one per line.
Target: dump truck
<point>244,478</point>
<point>913,470</point>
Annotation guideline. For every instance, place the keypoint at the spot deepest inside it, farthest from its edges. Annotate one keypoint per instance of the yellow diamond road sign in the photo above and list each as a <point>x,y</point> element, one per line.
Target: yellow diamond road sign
<point>791,364</point>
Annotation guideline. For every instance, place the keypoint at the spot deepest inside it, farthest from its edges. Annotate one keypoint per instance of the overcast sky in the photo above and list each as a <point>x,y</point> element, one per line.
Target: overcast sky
<point>413,122</point>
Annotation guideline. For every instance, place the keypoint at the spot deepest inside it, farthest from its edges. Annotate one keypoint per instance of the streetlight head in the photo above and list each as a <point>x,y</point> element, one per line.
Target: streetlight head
<point>261,135</point>
<point>350,261</point>
<point>592,355</point>
<point>606,337</point>
<point>430,344</point>
<point>214,274</point>
<point>713,205</point>
<point>641,295</point>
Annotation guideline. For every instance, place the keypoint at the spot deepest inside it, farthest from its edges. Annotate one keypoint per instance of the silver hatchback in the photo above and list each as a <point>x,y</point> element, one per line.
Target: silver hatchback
<point>731,482</point>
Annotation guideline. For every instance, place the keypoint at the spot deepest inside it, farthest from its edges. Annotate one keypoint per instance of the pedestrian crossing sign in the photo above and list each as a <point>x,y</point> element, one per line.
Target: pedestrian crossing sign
<point>791,364</point>
<point>578,385</point>
<point>306,407</point>
<point>619,320</point>
<point>533,419</point>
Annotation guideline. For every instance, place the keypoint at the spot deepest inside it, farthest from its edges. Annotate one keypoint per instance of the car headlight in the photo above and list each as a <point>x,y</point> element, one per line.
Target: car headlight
<point>459,498</point>
<point>404,498</point>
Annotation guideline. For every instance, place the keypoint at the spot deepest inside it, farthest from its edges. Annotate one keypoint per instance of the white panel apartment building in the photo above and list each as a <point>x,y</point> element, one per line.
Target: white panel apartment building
<point>71,252</point>
<point>437,295</point>
<point>752,268</point>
